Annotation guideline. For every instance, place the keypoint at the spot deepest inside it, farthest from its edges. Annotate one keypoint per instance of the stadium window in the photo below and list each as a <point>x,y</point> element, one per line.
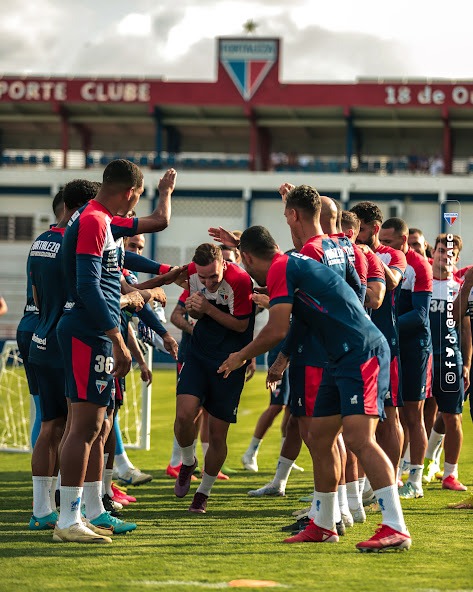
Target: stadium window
<point>16,228</point>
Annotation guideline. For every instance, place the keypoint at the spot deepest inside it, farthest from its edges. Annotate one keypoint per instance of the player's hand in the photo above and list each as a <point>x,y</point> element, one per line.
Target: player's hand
<point>233,362</point>
<point>167,183</point>
<point>121,358</point>
<point>276,371</point>
<point>198,303</point>
<point>250,370</point>
<point>135,300</point>
<point>261,300</point>
<point>466,377</point>
<point>146,374</point>
<point>158,295</point>
<point>284,190</point>
<point>170,344</point>
<point>364,248</point>
<point>176,275</point>
<point>224,236</point>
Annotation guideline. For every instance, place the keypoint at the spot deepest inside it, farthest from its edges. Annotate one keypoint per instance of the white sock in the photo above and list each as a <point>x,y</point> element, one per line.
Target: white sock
<point>353,495</point>
<point>107,482</point>
<point>415,475</point>
<point>435,443</point>
<point>92,499</point>
<point>206,484</point>
<point>448,469</point>
<point>367,486</point>
<point>361,486</point>
<point>253,448</point>
<point>175,454</point>
<point>390,505</point>
<point>337,514</point>
<point>70,506</point>
<point>41,496</point>
<point>52,493</point>
<point>103,490</point>
<point>205,447</point>
<point>58,482</point>
<point>188,455</point>
<point>283,439</point>
<point>283,471</point>
<point>195,447</point>
<point>322,510</point>
<point>407,455</point>
<point>342,499</point>
<point>123,463</point>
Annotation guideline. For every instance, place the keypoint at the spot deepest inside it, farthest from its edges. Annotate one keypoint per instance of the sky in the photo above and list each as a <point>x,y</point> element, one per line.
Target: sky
<point>333,40</point>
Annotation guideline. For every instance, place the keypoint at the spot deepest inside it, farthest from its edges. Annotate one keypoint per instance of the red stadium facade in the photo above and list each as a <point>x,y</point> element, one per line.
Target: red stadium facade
<point>246,111</point>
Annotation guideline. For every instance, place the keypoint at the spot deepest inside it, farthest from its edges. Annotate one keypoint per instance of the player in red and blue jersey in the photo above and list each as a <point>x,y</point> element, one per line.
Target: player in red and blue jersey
<point>221,299</point>
<point>89,335</point>
<point>390,435</point>
<point>452,357</point>
<point>358,356</point>
<point>415,348</point>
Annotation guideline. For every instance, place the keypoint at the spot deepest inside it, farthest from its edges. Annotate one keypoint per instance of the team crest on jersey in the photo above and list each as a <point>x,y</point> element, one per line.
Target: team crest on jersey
<point>101,385</point>
<point>247,62</point>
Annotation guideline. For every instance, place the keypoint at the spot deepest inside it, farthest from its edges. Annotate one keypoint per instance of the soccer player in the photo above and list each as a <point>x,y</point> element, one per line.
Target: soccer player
<point>415,348</point>
<point>417,242</point>
<point>389,431</point>
<point>359,360</point>
<point>89,336</point>
<point>220,298</point>
<point>452,359</point>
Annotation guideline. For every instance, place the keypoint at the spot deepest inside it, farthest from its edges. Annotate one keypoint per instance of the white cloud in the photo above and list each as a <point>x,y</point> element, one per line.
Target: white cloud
<point>135,25</point>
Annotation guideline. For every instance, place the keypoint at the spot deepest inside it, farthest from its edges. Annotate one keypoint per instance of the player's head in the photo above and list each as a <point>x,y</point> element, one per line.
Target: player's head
<point>209,265</point>
<point>123,180</point>
<point>78,192</point>
<point>257,248</point>
<point>302,206</point>
<point>394,233</point>
<point>446,253</point>
<point>371,218</point>
<point>350,225</point>
<point>135,244</point>
<point>58,205</point>
<point>416,240</point>
<point>228,253</point>
<point>329,216</point>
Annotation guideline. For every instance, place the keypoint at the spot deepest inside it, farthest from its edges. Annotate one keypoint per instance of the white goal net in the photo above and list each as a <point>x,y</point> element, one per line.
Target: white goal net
<point>17,411</point>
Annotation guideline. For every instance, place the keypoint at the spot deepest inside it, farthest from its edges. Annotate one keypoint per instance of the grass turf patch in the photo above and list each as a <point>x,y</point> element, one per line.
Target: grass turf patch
<point>239,537</point>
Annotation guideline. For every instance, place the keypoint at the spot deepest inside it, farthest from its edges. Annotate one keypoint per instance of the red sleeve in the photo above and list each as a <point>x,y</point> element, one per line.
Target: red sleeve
<point>398,260</point>
<point>311,250</point>
<point>91,235</point>
<point>183,297</point>
<point>163,268</point>
<point>423,271</point>
<point>242,287</point>
<point>277,283</point>
<point>361,264</point>
<point>375,268</point>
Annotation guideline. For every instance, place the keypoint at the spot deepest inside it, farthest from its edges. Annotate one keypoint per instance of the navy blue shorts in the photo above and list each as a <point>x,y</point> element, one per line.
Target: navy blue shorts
<point>361,381</point>
<point>280,395</point>
<point>52,391</point>
<point>304,384</point>
<point>448,387</point>
<point>416,374</point>
<point>219,396</point>
<point>23,339</point>
<point>393,396</point>
<point>88,363</point>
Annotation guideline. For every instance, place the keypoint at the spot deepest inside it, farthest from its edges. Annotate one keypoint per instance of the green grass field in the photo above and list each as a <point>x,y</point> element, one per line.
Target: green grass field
<point>239,537</point>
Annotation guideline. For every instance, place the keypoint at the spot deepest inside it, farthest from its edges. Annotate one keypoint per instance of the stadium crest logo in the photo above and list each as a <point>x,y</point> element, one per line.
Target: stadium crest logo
<point>247,62</point>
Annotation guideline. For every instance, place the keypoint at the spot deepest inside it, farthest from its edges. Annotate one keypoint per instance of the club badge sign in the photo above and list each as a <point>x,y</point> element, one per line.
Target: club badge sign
<point>247,62</point>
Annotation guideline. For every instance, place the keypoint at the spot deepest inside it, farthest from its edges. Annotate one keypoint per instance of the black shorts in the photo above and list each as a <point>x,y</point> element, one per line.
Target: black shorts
<point>52,391</point>
<point>447,386</point>
<point>416,374</point>
<point>219,396</point>
<point>23,339</point>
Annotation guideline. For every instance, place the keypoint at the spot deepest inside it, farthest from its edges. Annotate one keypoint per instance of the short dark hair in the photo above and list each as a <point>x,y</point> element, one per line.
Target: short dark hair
<point>442,238</point>
<point>350,220</point>
<point>78,192</point>
<point>257,241</point>
<point>367,212</point>
<point>58,200</point>
<point>305,198</point>
<point>207,253</point>
<point>122,172</point>
<point>416,231</point>
<point>397,224</point>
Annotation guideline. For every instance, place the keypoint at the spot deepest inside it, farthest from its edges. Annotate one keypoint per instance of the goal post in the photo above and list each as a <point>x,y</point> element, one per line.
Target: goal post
<point>17,409</point>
